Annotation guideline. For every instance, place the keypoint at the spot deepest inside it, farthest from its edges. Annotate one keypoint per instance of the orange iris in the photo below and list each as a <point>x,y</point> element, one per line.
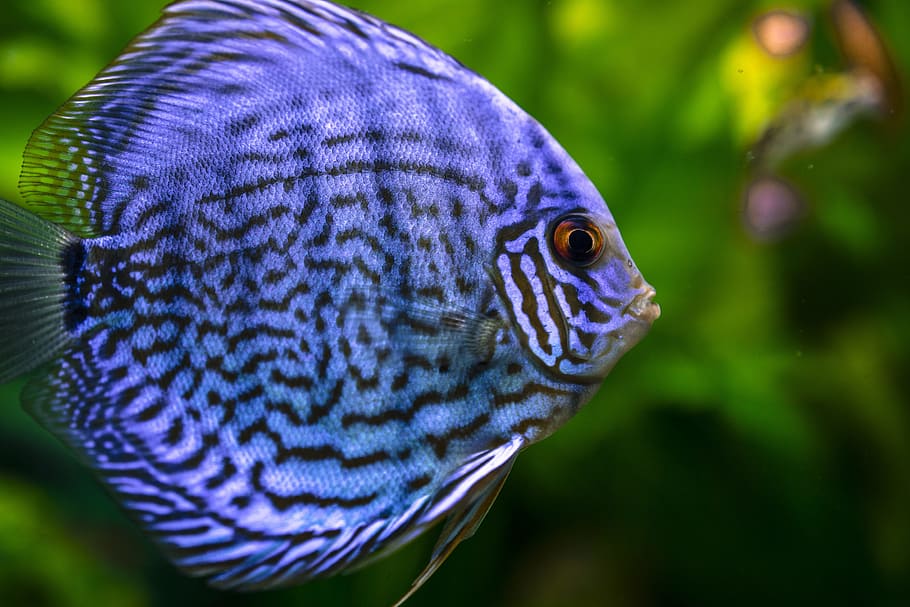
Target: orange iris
<point>578,240</point>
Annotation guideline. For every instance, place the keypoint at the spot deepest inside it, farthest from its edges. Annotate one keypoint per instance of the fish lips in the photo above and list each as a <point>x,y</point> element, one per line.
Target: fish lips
<point>633,324</point>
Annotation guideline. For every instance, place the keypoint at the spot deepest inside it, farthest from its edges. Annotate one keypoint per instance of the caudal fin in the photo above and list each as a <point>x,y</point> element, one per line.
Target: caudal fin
<point>32,290</point>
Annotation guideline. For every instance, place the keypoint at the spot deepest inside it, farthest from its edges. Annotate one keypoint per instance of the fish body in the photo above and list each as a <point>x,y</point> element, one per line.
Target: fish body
<point>302,286</point>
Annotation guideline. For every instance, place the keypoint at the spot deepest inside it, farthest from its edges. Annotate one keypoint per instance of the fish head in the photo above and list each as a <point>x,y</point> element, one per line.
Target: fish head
<point>576,300</point>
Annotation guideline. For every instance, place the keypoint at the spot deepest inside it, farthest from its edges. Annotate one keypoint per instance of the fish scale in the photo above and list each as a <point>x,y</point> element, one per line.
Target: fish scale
<point>312,291</point>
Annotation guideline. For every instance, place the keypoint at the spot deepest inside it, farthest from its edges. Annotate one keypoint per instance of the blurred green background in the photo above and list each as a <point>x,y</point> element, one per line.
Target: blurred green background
<point>753,450</point>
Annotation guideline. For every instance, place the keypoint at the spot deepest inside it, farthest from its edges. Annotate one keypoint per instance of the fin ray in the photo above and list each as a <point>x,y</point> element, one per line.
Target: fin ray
<point>32,291</point>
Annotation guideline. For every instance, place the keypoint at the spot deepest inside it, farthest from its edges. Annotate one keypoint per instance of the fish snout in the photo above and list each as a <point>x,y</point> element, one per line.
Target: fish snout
<point>642,307</point>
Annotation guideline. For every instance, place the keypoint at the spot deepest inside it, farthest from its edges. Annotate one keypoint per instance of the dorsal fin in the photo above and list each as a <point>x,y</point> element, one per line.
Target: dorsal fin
<point>187,81</point>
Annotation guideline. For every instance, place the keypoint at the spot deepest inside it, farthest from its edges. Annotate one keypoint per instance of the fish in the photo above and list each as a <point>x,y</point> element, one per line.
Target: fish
<point>297,287</point>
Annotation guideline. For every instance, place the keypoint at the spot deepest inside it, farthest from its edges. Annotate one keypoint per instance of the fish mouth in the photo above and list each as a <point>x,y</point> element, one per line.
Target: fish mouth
<point>637,315</point>
<point>642,307</point>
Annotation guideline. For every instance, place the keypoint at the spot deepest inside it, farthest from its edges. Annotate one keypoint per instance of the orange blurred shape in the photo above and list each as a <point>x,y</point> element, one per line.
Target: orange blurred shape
<point>781,33</point>
<point>866,52</point>
<point>772,208</point>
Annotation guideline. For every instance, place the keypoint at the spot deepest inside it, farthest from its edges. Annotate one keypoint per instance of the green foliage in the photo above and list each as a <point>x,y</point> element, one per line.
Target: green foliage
<point>753,450</point>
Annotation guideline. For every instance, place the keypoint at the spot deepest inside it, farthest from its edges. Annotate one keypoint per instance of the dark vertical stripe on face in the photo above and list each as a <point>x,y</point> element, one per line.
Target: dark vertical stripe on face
<point>529,303</point>
<point>586,315</point>
<point>570,293</point>
<point>534,249</point>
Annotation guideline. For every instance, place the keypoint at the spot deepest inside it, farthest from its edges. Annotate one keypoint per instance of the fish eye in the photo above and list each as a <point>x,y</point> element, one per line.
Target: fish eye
<point>577,240</point>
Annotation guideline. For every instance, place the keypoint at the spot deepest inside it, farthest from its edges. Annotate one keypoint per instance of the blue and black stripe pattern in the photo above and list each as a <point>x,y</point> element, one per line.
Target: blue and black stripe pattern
<point>312,303</point>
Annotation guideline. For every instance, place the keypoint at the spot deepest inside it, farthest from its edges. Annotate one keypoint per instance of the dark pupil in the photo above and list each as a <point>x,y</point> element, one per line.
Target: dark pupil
<point>580,242</point>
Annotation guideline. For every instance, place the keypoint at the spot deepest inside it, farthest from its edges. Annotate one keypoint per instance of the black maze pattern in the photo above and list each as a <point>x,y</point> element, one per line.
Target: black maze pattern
<point>248,346</point>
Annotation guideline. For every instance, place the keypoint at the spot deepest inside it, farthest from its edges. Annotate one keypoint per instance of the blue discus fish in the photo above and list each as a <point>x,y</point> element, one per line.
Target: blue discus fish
<point>301,286</point>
